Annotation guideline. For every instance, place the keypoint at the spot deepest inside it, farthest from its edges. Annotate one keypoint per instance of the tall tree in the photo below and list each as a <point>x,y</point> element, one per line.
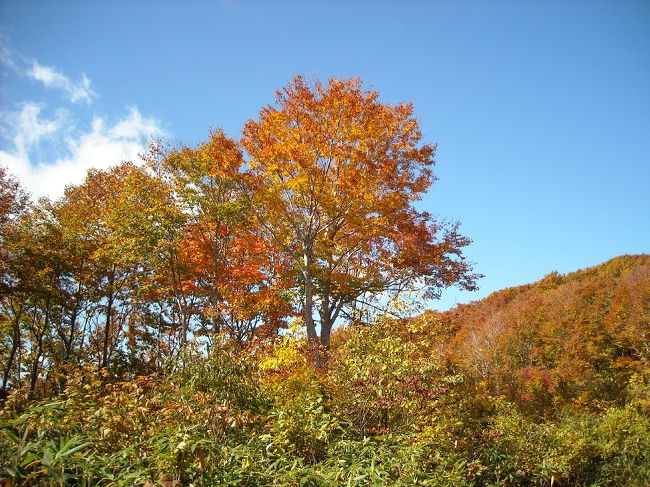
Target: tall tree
<point>111,215</point>
<point>14,206</point>
<point>336,173</point>
<point>220,258</point>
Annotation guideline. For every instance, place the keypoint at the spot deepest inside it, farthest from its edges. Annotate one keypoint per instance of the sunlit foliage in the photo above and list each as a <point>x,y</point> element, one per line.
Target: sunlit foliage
<point>204,319</point>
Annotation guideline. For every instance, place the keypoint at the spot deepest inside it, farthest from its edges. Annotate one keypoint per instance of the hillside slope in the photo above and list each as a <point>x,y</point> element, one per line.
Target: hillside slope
<point>579,337</point>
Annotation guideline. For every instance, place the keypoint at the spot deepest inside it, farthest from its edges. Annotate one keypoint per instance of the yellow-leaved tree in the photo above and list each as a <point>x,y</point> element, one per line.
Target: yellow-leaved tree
<point>335,173</point>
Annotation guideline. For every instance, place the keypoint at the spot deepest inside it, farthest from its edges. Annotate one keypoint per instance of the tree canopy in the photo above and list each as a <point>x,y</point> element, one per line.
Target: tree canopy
<point>336,173</point>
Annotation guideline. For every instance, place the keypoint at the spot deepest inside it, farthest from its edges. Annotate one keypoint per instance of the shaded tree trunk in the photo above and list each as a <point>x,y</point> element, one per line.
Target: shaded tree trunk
<point>325,317</point>
<point>107,328</point>
<point>308,308</point>
<point>15,339</point>
<point>39,351</point>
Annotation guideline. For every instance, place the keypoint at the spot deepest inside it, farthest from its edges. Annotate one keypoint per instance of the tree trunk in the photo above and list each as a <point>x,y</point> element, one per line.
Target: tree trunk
<point>216,323</point>
<point>39,352</point>
<point>184,330</point>
<point>15,339</point>
<point>214,295</point>
<point>308,309</point>
<point>70,339</point>
<point>107,328</point>
<point>68,346</point>
<point>325,316</point>
<point>325,333</point>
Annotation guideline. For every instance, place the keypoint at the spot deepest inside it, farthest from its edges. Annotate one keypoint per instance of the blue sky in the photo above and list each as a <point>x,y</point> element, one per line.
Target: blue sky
<point>541,110</point>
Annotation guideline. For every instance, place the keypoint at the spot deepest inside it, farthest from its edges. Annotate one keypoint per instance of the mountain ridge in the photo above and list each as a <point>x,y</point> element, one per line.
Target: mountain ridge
<point>576,338</point>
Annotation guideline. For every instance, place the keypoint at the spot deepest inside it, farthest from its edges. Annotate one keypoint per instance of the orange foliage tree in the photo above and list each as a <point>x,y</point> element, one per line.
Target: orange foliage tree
<point>335,175</point>
<point>220,256</point>
<point>110,218</point>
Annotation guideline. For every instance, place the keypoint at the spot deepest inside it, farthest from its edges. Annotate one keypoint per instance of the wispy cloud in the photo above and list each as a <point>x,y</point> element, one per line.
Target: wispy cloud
<point>80,91</point>
<point>47,146</point>
<point>6,55</point>
<point>26,128</point>
<point>99,146</point>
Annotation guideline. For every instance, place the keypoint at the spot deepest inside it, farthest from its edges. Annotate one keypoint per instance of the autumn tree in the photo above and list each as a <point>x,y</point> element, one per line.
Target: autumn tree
<point>46,298</point>
<point>220,265</point>
<point>336,175</point>
<point>111,216</point>
<point>14,205</point>
<point>14,200</point>
<point>35,294</point>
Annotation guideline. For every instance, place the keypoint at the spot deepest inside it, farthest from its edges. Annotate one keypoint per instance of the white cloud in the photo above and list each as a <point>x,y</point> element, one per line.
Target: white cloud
<point>29,128</point>
<point>48,150</point>
<point>102,146</point>
<point>6,56</point>
<point>77,91</point>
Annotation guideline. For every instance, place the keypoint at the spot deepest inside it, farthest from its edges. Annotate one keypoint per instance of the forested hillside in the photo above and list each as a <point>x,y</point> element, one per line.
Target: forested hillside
<point>544,384</point>
<point>241,313</point>
<point>568,339</point>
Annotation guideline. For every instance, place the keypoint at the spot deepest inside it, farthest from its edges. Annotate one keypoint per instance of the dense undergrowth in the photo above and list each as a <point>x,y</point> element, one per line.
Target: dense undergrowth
<point>411,402</point>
